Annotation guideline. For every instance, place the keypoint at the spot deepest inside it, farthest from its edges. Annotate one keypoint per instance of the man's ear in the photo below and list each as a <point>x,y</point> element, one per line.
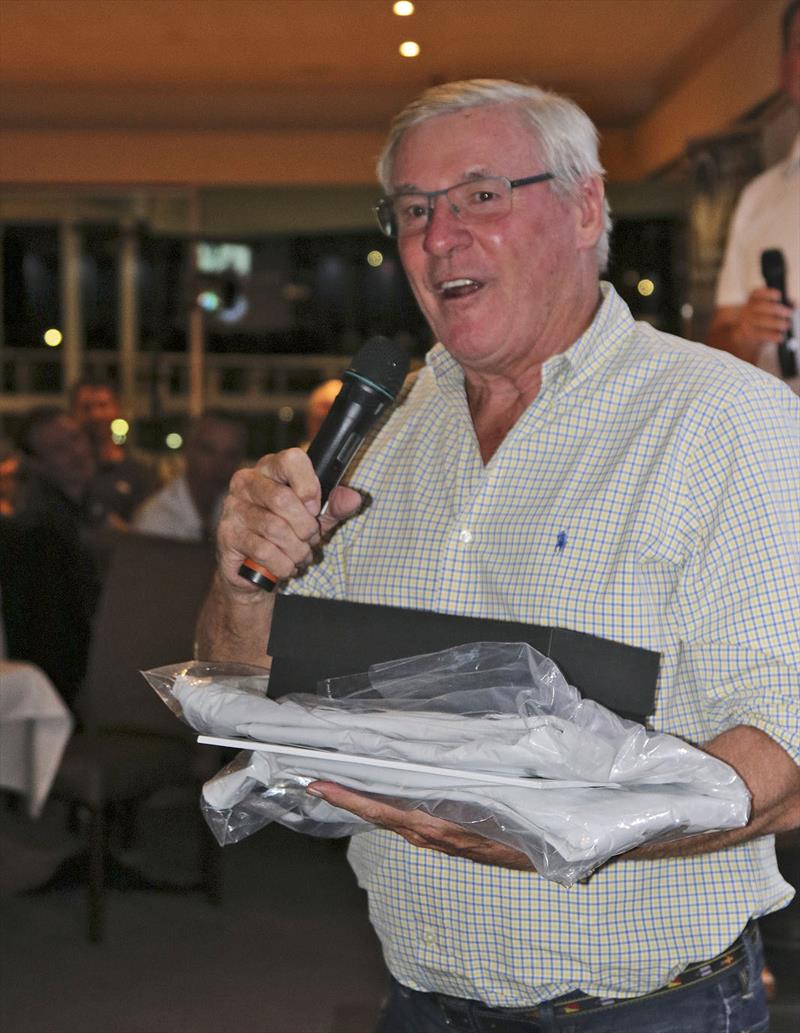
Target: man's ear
<point>591,212</point>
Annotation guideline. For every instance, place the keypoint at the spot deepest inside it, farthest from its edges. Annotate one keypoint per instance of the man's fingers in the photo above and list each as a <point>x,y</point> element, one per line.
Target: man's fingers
<point>421,829</point>
<point>344,502</point>
<point>291,469</point>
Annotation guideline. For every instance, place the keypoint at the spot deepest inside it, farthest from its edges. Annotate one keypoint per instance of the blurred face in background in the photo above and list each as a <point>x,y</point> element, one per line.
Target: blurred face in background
<point>319,403</point>
<point>214,452</point>
<point>63,455</point>
<point>95,407</point>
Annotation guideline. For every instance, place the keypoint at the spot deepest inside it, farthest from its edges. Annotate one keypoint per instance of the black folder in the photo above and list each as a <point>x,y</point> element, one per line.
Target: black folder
<point>312,639</point>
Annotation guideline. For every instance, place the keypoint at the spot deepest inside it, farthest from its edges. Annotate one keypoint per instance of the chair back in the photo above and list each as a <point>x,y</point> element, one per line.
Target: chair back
<point>146,618</point>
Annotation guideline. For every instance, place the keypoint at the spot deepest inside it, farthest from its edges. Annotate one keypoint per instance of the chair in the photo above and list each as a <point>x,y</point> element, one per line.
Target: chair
<point>130,744</point>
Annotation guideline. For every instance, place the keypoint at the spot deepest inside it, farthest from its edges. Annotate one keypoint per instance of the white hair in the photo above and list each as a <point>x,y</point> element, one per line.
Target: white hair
<point>565,135</point>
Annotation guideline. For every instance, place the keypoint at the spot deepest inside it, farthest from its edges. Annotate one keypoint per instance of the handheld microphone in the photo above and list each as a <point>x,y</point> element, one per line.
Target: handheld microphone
<point>369,387</point>
<point>773,269</point>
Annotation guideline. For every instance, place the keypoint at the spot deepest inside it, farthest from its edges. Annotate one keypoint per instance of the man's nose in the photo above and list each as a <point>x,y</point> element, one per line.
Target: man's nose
<point>445,231</point>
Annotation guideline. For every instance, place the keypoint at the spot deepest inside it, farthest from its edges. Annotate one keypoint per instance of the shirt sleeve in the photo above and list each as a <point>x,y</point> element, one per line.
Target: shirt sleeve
<point>733,287</point>
<point>739,600</point>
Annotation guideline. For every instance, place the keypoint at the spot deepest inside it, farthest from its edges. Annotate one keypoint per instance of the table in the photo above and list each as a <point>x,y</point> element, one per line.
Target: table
<point>35,725</point>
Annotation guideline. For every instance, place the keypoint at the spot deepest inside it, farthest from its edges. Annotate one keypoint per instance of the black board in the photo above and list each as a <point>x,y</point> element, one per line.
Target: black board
<point>312,639</point>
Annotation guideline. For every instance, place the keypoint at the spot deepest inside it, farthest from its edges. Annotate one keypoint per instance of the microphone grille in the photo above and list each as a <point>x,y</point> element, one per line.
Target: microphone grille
<point>773,264</point>
<point>383,363</point>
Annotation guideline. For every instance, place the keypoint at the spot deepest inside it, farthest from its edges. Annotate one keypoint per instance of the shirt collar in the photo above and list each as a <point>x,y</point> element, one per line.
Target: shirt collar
<point>612,322</point>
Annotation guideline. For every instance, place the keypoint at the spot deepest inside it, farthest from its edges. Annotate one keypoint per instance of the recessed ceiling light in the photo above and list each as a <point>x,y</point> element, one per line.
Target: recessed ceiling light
<point>409,48</point>
<point>403,8</point>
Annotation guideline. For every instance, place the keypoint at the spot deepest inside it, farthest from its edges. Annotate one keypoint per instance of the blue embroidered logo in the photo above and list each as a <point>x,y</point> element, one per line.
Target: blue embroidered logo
<point>561,541</point>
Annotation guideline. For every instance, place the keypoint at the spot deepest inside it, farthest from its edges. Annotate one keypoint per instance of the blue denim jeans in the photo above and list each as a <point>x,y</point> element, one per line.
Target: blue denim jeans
<point>732,1001</point>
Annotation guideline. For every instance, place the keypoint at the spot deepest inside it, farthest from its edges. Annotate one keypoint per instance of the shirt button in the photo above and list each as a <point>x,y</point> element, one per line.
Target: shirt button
<point>429,937</point>
<point>465,535</point>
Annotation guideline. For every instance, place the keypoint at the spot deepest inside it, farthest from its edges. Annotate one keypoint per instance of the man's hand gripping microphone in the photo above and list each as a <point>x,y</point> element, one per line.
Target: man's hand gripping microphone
<point>369,387</point>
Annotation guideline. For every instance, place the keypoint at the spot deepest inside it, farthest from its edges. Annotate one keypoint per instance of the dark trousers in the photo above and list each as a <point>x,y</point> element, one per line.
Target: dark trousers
<point>729,1000</point>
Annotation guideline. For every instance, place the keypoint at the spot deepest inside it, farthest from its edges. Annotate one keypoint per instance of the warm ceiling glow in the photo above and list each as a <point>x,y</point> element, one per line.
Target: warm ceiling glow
<point>403,8</point>
<point>374,258</point>
<point>409,48</point>
<point>645,287</point>
<point>173,441</point>
<point>53,337</point>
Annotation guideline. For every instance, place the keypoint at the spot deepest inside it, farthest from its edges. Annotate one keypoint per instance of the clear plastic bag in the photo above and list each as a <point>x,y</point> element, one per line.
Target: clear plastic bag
<point>488,735</point>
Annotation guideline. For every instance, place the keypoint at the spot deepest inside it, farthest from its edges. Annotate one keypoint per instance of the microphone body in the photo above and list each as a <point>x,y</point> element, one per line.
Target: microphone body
<point>369,387</point>
<point>773,269</point>
<point>353,412</point>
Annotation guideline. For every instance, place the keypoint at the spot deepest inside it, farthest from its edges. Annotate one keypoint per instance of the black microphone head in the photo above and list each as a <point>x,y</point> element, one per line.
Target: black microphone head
<point>773,267</point>
<point>381,363</point>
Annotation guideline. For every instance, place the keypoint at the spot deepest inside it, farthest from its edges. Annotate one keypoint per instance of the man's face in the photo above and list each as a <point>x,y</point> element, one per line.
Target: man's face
<point>214,453</point>
<point>63,455</point>
<point>790,63</point>
<point>95,408</point>
<point>520,271</point>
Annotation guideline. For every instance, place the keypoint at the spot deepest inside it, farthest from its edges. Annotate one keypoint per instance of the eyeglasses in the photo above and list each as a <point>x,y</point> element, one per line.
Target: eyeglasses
<point>477,200</point>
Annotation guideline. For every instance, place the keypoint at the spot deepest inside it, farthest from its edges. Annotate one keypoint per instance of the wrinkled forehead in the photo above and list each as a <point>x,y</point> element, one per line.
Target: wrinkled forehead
<point>492,140</point>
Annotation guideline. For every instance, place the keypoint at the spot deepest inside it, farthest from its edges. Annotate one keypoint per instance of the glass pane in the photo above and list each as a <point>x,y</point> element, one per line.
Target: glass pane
<point>31,301</point>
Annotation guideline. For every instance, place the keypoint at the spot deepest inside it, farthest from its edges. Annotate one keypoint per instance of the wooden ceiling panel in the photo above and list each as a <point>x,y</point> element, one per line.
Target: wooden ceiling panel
<point>334,63</point>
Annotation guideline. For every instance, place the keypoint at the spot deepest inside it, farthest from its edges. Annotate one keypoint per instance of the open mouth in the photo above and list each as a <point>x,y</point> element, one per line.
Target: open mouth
<point>458,288</point>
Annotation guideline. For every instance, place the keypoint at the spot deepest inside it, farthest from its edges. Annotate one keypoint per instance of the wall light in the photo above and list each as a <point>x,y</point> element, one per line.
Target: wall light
<point>53,337</point>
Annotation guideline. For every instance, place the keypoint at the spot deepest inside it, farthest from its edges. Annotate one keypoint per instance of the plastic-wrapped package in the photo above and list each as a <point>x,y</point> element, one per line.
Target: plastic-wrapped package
<point>488,735</point>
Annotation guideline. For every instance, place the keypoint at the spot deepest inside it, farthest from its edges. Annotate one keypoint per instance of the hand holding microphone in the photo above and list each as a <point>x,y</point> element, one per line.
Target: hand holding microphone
<point>369,387</point>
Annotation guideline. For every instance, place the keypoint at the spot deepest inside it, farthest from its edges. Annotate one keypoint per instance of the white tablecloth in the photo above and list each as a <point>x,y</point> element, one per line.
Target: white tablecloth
<point>35,725</point>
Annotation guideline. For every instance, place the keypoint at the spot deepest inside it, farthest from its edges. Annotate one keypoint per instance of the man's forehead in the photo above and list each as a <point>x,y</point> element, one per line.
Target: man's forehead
<point>476,142</point>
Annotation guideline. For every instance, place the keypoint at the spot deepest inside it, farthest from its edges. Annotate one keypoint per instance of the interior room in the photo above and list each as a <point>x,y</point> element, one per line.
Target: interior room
<point>187,221</point>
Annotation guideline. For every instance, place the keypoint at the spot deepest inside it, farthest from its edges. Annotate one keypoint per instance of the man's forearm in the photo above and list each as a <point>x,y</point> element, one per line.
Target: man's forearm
<point>234,627</point>
<point>773,779</point>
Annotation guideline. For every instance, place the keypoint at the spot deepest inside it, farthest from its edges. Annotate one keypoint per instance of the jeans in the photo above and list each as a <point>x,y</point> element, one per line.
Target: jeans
<point>732,1001</point>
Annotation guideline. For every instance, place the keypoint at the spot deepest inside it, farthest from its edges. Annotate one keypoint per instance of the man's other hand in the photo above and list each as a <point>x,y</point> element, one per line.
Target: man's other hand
<point>421,829</point>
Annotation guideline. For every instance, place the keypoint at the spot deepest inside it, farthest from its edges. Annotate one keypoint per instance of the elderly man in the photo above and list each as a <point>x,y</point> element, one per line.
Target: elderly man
<point>555,463</point>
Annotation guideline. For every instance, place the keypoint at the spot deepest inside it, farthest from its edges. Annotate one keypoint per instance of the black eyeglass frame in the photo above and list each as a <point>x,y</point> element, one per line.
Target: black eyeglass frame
<point>389,226</point>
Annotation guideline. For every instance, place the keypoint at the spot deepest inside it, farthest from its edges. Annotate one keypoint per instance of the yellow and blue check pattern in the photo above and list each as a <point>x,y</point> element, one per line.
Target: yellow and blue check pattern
<point>650,494</point>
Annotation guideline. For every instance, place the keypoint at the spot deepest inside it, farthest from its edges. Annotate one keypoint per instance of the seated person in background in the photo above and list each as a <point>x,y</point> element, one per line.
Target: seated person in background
<point>749,319</point>
<point>319,403</point>
<point>123,480</point>
<point>51,551</point>
<point>557,463</point>
<point>10,477</point>
<point>189,507</point>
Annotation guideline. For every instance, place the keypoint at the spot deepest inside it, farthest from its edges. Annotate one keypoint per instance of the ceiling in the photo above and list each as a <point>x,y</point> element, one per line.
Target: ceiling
<point>334,64</point>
